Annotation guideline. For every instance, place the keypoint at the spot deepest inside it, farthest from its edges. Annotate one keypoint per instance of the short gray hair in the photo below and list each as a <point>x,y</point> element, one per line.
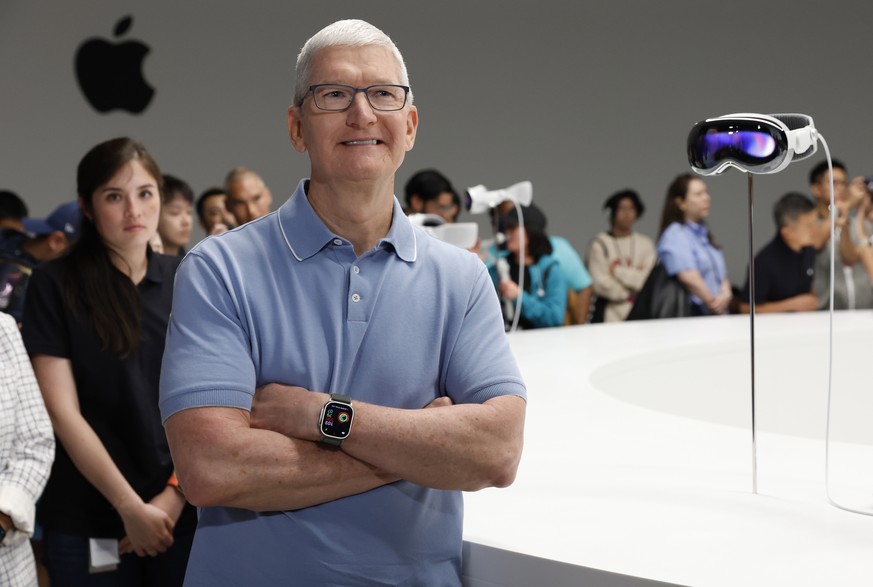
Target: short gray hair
<point>346,33</point>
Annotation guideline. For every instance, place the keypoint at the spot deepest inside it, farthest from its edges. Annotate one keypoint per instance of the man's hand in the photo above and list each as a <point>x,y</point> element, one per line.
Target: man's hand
<point>288,410</point>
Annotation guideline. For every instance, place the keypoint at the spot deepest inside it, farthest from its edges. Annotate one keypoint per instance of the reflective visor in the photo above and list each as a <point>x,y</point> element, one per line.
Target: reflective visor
<point>754,146</point>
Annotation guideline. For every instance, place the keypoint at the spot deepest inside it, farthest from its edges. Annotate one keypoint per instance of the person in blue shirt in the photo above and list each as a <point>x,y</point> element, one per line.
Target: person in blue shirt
<point>687,250</point>
<point>544,297</point>
<point>323,419</point>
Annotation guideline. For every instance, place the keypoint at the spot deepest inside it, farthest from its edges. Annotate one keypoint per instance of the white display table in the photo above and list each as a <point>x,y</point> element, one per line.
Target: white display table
<point>637,460</point>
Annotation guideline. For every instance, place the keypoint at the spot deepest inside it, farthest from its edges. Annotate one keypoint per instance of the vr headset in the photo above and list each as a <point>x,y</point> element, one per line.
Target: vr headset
<point>753,143</point>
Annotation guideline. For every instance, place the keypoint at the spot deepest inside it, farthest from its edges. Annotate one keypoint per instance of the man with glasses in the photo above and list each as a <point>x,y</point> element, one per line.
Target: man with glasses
<point>323,419</point>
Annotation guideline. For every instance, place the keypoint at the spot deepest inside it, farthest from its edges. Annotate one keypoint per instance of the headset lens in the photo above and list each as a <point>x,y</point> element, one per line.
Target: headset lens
<point>748,145</point>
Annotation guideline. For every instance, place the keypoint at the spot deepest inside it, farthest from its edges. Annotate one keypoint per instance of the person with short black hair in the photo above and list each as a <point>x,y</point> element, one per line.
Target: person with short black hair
<point>212,212</point>
<point>620,259</point>
<point>784,268</point>
<point>12,211</point>
<point>174,227</point>
<point>851,284</point>
<point>430,192</point>
<point>44,239</point>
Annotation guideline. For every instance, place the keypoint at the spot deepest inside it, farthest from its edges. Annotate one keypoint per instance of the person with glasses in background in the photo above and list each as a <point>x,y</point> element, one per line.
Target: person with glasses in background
<point>430,192</point>
<point>324,421</point>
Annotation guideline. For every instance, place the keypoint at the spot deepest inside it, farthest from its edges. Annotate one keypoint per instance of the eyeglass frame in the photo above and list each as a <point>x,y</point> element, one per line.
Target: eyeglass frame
<point>355,91</point>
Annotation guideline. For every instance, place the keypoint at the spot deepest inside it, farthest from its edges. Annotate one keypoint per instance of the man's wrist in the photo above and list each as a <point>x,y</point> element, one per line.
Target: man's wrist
<point>6,523</point>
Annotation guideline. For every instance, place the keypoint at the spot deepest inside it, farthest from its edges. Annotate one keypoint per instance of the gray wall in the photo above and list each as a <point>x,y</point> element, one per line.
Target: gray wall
<point>582,99</point>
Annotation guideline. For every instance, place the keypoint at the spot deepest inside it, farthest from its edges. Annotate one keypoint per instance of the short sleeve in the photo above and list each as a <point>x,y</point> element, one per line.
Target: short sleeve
<point>481,364</point>
<point>674,251</point>
<point>45,326</point>
<point>574,269</point>
<point>204,331</point>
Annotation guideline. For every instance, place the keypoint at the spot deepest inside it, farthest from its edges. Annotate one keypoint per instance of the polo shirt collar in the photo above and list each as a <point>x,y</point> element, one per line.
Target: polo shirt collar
<point>305,233</point>
<point>698,229</point>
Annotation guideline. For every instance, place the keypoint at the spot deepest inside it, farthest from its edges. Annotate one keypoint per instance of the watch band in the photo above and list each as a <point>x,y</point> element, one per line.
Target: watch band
<point>340,398</point>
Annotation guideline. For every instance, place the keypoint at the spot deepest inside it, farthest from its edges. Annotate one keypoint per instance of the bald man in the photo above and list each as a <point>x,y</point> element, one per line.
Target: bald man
<point>248,198</point>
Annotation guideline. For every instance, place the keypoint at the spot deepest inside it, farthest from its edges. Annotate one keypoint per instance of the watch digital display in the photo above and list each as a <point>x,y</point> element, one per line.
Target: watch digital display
<point>336,420</point>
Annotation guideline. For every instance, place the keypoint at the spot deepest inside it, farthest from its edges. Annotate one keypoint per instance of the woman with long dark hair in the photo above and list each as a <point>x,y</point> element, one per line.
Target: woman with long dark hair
<point>94,325</point>
<point>686,247</point>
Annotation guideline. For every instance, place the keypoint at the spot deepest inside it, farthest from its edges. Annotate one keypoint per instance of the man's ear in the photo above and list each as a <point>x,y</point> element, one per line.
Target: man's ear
<point>411,127</point>
<point>295,129</point>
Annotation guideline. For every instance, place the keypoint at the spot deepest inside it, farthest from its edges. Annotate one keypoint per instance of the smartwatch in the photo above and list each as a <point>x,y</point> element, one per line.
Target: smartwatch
<point>2,534</point>
<point>336,418</point>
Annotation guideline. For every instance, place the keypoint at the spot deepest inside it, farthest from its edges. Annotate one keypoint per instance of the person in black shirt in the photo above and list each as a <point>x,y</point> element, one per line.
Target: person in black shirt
<point>784,268</point>
<point>94,325</point>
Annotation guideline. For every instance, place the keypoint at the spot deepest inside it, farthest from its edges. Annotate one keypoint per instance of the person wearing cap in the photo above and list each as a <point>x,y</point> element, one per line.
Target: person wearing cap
<point>620,259</point>
<point>44,239</point>
<point>544,297</point>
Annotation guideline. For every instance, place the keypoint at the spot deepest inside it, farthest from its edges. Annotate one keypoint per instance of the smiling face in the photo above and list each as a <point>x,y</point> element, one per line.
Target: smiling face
<point>125,210</point>
<point>358,144</point>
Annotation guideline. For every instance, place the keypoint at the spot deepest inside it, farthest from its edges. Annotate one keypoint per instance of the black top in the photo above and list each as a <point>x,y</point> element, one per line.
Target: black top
<point>781,273</point>
<point>117,397</point>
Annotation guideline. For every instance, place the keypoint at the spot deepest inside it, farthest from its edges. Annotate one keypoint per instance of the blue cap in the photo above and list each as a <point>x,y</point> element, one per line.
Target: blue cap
<point>65,218</point>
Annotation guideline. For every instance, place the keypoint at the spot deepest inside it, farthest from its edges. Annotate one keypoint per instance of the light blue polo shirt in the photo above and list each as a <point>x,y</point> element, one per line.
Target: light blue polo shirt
<point>282,299</point>
<point>686,246</point>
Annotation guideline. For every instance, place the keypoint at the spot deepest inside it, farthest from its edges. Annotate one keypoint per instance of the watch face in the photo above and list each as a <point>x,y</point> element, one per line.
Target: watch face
<point>337,420</point>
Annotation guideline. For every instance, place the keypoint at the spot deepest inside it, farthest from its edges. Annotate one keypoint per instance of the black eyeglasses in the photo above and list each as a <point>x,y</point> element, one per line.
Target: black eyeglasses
<point>337,97</point>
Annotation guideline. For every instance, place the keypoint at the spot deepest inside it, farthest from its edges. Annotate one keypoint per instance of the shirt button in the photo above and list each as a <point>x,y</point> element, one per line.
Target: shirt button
<point>356,269</point>
<point>356,298</point>
<point>337,242</point>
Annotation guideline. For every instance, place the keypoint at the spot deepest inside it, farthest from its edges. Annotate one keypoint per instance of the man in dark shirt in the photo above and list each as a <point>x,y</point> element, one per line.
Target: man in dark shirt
<point>20,252</point>
<point>784,268</point>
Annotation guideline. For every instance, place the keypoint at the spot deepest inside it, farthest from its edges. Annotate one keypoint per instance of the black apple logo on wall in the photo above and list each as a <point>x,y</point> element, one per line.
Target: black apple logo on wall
<point>110,74</point>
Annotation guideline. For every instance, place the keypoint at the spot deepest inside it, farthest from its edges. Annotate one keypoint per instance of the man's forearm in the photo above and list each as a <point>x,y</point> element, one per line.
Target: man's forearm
<point>466,447</point>
<point>221,461</point>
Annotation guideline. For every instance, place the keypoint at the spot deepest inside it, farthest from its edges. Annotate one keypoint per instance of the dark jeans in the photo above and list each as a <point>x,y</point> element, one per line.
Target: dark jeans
<point>66,557</point>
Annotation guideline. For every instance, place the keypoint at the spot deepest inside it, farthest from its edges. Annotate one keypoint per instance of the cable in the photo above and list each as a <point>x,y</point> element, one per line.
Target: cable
<point>833,212</point>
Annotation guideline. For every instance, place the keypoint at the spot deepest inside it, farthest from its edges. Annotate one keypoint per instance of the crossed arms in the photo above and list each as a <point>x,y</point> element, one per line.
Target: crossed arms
<point>270,459</point>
